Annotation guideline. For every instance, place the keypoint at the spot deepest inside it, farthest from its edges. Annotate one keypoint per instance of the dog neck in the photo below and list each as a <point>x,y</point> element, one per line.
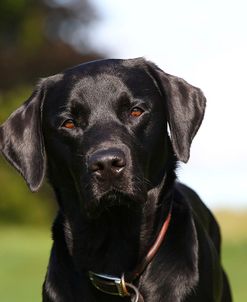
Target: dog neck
<point>113,285</point>
<point>119,238</point>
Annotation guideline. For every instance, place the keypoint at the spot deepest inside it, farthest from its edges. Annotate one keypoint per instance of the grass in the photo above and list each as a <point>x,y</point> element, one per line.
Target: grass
<point>234,252</point>
<point>235,264</point>
<point>24,254</point>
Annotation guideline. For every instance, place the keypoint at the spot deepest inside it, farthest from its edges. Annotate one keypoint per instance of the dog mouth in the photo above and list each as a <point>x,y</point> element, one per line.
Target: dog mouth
<point>115,199</point>
<point>118,198</point>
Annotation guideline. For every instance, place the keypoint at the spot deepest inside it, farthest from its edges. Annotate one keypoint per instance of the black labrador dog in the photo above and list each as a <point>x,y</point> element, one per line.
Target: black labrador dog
<point>108,134</point>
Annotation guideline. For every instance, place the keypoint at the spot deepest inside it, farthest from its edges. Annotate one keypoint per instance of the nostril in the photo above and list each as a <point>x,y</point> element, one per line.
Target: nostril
<point>96,166</point>
<point>118,162</point>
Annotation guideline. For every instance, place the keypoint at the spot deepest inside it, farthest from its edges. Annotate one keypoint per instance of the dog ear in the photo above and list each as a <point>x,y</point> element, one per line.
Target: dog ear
<point>21,140</point>
<point>185,109</point>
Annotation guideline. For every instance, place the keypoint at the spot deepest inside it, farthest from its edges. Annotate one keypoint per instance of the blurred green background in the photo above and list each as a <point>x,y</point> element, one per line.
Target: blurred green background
<point>38,38</point>
<point>24,254</point>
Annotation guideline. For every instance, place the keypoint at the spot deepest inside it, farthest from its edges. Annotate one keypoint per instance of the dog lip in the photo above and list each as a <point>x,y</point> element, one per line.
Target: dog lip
<point>119,197</point>
<point>112,199</point>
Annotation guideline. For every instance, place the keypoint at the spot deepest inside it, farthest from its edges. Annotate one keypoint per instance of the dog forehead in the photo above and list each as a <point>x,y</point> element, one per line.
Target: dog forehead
<point>112,80</point>
<point>98,87</point>
<point>102,82</point>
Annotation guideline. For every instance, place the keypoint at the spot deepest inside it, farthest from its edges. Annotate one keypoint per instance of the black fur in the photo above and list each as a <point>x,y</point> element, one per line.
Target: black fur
<point>114,177</point>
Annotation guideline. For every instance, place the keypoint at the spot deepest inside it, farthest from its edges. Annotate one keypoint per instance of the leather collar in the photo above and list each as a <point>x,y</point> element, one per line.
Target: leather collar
<point>122,286</point>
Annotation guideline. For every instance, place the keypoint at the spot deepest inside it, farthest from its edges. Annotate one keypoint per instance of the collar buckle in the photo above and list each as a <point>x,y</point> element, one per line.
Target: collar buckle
<point>109,284</point>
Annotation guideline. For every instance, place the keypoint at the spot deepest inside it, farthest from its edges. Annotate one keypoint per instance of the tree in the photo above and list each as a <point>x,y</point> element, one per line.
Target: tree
<point>37,38</point>
<point>41,37</point>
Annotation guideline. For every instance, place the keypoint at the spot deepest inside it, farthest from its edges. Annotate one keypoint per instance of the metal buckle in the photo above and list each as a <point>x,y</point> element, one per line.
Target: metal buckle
<point>109,284</point>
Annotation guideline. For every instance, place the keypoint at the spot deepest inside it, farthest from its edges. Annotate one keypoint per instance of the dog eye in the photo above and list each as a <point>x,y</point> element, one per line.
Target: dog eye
<point>69,124</point>
<point>136,112</point>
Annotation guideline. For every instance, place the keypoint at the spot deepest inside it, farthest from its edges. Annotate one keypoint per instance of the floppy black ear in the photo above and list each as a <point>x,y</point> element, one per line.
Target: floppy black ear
<point>185,109</point>
<point>21,140</point>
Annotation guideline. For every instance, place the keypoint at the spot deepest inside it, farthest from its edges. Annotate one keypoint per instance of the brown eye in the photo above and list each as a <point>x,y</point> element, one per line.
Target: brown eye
<point>136,112</point>
<point>69,124</point>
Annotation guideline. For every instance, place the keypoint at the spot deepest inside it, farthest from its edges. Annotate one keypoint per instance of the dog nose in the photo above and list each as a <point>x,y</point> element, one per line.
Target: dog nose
<point>107,163</point>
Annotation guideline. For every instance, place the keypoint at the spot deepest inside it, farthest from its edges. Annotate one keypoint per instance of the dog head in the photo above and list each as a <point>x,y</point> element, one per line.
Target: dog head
<point>101,128</point>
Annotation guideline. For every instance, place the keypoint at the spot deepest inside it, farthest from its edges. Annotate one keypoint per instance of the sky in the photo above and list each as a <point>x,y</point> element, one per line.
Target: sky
<point>204,42</point>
